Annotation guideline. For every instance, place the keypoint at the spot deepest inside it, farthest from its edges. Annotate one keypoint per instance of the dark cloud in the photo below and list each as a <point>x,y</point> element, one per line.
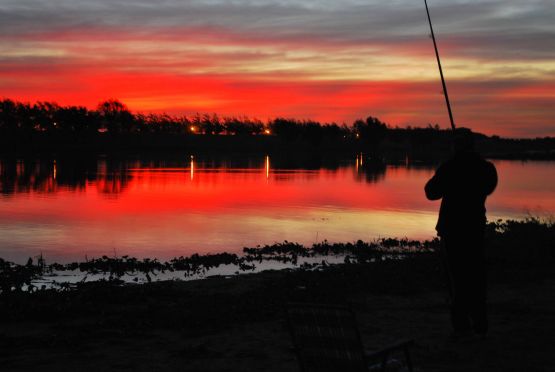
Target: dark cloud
<point>500,28</point>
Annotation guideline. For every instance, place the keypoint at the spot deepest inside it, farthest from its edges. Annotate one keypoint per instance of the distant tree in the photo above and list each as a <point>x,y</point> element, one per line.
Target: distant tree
<point>332,131</point>
<point>211,124</point>
<point>76,120</point>
<point>312,132</point>
<point>44,116</point>
<point>196,126</point>
<point>287,129</point>
<point>256,126</point>
<point>216,124</point>
<point>9,115</point>
<point>141,123</point>
<point>236,126</point>
<point>371,132</point>
<point>115,116</point>
<point>183,124</point>
<point>167,124</point>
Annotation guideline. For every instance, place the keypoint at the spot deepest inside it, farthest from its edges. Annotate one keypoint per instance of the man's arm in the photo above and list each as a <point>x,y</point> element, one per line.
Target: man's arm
<point>491,178</point>
<point>435,186</point>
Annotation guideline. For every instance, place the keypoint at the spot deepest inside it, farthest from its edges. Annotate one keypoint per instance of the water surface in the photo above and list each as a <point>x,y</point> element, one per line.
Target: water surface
<point>69,209</point>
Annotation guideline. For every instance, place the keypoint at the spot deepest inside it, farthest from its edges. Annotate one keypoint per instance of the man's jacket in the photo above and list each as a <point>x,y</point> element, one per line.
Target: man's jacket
<point>463,183</point>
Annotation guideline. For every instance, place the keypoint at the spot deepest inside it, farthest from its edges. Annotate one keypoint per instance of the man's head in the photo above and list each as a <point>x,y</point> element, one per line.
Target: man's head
<point>464,140</point>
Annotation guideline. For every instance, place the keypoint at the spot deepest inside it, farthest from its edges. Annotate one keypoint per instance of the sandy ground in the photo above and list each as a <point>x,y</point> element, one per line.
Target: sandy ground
<point>237,324</point>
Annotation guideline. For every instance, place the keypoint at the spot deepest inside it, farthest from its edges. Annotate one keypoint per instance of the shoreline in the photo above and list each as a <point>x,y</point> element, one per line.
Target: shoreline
<point>38,275</point>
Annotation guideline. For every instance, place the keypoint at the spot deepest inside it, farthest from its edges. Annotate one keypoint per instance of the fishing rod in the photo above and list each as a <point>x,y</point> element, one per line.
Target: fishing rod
<point>442,253</point>
<point>446,95</point>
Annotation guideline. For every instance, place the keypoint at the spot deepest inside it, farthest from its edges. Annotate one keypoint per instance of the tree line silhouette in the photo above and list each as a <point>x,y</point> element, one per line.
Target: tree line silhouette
<point>112,117</point>
<point>111,125</point>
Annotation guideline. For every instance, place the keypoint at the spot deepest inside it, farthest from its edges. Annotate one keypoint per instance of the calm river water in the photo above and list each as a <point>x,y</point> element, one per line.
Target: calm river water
<point>67,209</point>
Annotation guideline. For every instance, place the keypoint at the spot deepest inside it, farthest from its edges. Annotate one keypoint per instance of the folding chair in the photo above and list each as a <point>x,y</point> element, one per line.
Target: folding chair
<point>326,338</point>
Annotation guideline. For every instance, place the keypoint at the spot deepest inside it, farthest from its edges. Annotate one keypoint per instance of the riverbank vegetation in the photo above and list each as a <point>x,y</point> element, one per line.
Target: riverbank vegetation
<point>530,240</point>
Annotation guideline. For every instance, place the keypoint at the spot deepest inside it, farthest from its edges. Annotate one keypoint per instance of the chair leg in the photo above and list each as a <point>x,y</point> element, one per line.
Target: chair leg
<point>384,361</point>
<point>407,358</point>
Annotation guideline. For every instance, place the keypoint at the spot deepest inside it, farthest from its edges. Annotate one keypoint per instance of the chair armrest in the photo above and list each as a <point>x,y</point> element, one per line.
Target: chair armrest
<point>403,344</point>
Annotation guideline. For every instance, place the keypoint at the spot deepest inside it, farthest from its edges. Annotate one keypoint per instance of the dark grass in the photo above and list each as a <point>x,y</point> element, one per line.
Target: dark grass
<point>101,315</point>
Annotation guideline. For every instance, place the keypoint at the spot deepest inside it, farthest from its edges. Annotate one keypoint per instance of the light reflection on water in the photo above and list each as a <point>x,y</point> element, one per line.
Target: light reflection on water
<point>69,208</point>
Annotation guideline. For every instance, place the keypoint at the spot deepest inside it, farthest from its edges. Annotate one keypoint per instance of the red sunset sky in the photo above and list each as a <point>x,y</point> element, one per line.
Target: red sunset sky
<point>318,59</point>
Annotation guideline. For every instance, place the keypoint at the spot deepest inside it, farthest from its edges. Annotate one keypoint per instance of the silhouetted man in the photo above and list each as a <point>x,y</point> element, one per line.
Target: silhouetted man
<point>463,183</point>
